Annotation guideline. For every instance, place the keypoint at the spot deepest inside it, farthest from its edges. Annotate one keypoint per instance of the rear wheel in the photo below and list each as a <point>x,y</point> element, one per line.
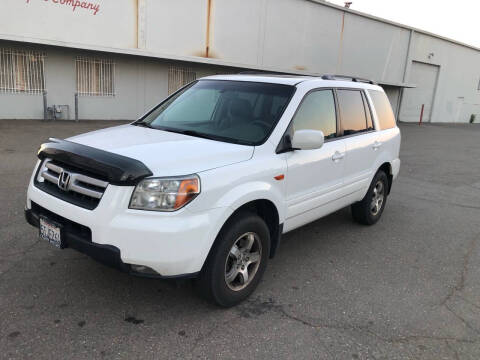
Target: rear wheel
<point>370,209</point>
<point>237,261</point>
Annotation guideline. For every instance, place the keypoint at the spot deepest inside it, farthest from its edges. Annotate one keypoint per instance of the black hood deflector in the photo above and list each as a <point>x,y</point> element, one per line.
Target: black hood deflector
<point>114,168</point>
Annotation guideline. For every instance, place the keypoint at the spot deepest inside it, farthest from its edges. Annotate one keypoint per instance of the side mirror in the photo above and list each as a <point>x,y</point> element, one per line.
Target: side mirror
<point>307,139</point>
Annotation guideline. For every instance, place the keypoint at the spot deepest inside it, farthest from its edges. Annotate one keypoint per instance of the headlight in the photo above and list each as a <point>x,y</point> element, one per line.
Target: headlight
<point>165,194</point>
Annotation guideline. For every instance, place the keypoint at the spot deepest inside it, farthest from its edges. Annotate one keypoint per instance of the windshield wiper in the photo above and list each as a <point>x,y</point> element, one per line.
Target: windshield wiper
<point>143,124</point>
<point>192,133</point>
<point>204,136</point>
<point>198,134</point>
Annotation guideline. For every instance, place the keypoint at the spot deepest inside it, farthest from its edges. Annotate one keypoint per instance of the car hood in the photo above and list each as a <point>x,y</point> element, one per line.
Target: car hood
<point>165,153</point>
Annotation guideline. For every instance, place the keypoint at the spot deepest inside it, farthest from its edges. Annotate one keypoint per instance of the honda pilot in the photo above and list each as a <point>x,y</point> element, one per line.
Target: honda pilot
<point>206,183</point>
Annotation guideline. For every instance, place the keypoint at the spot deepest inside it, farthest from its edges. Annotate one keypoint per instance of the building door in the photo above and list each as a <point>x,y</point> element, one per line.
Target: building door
<point>424,76</point>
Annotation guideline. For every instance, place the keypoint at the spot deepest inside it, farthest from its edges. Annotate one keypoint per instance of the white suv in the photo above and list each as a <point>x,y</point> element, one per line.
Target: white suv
<point>205,184</point>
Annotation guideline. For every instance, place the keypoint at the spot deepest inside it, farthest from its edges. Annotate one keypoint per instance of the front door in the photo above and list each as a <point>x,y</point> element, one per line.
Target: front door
<point>314,177</point>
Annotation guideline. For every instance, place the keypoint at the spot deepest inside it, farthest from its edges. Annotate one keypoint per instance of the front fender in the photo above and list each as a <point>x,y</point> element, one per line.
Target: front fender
<point>237,184</point>
<point>233,186</point>
<point>243,194</point>
<point>251,191</point>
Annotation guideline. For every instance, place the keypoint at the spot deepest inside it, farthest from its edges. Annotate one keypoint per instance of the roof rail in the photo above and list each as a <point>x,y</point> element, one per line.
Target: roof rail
<point>260,72</point>
<point>347,77</point>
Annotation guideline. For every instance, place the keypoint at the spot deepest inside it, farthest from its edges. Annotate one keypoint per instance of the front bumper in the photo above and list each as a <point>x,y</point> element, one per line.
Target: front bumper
<point>173,244</point>
<point>106,254</point>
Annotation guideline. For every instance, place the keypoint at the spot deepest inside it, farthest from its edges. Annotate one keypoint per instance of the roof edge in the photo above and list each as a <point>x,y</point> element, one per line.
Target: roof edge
<point>154,55</point>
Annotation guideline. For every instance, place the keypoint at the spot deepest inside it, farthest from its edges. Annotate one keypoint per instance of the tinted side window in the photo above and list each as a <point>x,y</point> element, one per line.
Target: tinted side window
<point>317,112</point>
<point>383,108</point>
<point>352,111</point>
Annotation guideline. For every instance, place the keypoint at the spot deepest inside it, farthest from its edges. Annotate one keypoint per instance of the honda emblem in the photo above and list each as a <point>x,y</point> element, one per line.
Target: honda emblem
<point>64,180</point>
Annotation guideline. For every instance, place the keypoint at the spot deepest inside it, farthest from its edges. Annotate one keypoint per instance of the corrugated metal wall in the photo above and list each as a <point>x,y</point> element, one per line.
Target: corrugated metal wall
<point>283,35</point>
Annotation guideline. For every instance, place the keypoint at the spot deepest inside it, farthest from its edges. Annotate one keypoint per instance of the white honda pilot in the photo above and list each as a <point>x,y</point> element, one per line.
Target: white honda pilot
<point>205,184</point>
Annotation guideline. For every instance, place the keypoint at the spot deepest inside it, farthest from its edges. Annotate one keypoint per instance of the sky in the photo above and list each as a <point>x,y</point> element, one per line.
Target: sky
<point>455,19</point>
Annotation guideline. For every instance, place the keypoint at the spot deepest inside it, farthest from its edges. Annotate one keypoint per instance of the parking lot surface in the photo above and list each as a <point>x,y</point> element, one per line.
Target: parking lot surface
<point>405,288</point>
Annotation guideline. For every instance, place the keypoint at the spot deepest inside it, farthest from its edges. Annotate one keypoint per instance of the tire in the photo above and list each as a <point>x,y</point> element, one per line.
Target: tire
<point>370,209</point>
<point>222,280</point>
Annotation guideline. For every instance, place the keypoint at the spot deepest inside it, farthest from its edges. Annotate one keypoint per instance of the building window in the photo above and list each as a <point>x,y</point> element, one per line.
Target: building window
<point>21,71</point>
<point>95,77</point>
<point>179,76</point>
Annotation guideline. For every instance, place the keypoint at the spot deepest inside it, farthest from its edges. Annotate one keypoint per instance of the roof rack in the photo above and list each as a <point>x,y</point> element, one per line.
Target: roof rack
<point>347,77</point>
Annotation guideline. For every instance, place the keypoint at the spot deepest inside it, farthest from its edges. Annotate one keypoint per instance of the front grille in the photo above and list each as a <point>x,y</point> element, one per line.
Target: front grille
<point>69,184</point>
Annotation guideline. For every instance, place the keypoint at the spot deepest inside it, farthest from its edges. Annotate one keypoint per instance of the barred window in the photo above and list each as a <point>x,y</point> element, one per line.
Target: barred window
<point>22,71</point>
<point>179,76</point>
<point>95,77</point>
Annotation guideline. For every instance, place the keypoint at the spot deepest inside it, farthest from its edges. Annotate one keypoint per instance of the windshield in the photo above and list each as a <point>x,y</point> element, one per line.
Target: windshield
<point>232,111</point>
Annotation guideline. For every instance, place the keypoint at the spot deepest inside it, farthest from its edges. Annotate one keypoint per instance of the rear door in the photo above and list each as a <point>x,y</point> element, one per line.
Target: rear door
<point>361,140</point>
<point>387,130</point>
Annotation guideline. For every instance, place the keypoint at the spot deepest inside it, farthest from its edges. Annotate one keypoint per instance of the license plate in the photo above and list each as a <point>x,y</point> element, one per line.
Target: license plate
<point>51,231</point>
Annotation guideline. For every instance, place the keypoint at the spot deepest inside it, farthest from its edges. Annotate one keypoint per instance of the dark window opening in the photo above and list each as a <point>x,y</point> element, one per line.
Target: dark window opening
<point>386,118</point>
<point>352,111</point>
<point>317,112</point>
<point>231,111</point>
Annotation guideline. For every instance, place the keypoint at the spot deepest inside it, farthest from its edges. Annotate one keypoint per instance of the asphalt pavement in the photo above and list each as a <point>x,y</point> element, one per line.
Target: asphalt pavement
<point>405,288</point>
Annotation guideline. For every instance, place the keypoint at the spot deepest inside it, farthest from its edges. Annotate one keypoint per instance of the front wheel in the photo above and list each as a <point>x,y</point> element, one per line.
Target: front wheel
<point>369,210</point>
<point>237,261</point>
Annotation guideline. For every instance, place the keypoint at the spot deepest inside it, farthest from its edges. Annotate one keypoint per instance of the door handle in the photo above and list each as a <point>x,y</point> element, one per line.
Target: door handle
<point>338,156</point>
<point>376,145</point>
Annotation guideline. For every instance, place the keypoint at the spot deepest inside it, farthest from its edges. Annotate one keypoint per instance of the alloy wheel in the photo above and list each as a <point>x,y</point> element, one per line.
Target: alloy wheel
<point>243,261</point>
<point>377,198</point>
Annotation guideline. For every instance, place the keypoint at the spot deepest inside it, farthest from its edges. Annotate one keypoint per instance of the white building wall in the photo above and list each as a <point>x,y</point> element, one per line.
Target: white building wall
<point>289,35</point>
<point>140,84</point>
<point>374,50</point>
<point>301,36</point>
<point>456,95</point>
<point>114,25</point>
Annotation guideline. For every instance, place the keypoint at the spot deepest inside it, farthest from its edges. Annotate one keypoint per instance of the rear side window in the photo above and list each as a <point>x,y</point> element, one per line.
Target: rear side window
<point>383,108</point>
<point>317,112</point>
<point>352,111</point>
